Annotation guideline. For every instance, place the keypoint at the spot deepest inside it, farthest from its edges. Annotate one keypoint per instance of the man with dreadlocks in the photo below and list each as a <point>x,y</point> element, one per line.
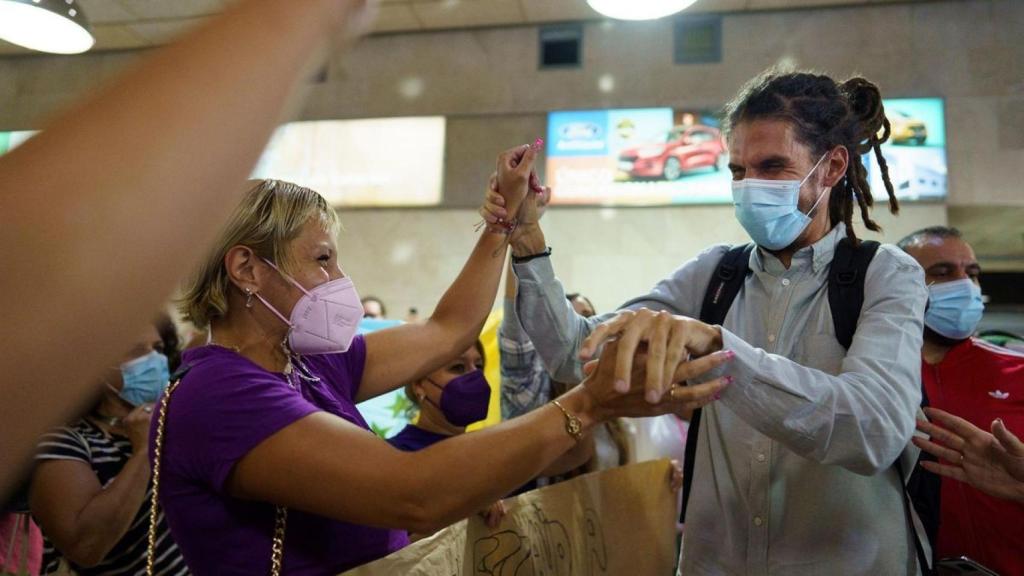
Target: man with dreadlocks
<point>795,468</point>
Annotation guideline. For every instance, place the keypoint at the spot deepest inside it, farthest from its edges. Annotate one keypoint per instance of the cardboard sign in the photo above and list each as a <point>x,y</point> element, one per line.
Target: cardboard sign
<point>620,521</point>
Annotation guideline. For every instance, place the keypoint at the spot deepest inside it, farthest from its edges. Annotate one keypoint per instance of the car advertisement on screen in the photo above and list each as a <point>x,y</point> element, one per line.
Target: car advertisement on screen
<point>645,156</point>
<point>664,156</point>
<point>371,163</point>
<point>916,150</point>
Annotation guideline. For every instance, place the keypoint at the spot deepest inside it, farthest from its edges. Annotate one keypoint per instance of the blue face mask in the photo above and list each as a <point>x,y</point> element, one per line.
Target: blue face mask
<point>769,209</point>
<point>954,308</point>
<point>144,378</point>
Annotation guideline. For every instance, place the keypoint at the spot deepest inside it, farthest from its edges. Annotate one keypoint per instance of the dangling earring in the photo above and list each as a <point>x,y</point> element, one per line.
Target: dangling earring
<point>248,299</point>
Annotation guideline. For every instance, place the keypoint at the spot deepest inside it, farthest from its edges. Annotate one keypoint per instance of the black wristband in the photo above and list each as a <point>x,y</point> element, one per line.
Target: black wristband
<point>525,259</point>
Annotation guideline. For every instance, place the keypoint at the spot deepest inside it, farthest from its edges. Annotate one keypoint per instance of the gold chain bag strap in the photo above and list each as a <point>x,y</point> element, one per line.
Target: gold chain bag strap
<point>281,515</point>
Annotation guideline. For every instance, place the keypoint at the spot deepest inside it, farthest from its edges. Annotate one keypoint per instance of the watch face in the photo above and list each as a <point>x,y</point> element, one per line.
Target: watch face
<point>574,426</point>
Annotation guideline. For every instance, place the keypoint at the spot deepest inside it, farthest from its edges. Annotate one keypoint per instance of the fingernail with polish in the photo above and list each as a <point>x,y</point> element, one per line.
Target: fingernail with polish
<point>729,354</point>
<point>718,396</point>
<point>621,386</point>
<point>728,380</point>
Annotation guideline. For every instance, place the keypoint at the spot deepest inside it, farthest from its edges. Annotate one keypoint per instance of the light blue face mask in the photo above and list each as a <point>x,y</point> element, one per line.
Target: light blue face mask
<point>144,378</point>
<point>769,209</point>
<point>954,308</point>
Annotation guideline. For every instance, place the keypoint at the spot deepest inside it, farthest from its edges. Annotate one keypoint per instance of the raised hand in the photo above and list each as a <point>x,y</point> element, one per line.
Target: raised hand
<point>496,208</point>
<point>1012,454</point>
<point>515,169</point>
<point>970,455</point>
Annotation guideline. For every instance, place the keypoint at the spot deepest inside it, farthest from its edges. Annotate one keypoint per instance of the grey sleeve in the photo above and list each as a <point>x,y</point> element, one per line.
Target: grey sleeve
<point>862,418</point>
<point>558,332</point>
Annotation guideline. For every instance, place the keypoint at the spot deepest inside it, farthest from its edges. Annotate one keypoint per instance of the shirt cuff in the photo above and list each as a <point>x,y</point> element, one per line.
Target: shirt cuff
<point>745,366</point>
<point>538,271</point>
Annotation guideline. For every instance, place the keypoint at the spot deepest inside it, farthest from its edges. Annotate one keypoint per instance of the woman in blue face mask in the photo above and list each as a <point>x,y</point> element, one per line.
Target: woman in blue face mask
<point>92,477</point>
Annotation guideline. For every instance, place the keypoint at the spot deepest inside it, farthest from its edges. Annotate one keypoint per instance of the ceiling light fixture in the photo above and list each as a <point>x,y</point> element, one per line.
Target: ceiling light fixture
<point>57,26</point>
<point>639,9</point>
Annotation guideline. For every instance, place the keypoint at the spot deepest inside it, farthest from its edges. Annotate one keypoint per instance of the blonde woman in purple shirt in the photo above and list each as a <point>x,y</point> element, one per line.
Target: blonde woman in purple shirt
<point>264,463</point>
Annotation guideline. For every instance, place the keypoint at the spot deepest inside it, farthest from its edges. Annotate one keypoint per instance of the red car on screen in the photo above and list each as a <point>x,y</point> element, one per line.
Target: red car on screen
<point>682,149</point>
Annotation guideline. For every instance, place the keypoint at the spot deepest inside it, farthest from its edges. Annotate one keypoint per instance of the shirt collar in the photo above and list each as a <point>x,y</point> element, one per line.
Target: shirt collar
<point>819,254</point>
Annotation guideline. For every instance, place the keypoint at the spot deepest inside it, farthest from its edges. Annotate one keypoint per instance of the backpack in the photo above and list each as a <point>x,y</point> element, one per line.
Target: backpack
<point>845,297</point>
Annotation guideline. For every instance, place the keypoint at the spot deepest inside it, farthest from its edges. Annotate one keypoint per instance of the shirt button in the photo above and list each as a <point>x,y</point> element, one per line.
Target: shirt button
<point>758,521</point>
<point>761,458</point>
<point>785,281</point>
<point>771,337</point>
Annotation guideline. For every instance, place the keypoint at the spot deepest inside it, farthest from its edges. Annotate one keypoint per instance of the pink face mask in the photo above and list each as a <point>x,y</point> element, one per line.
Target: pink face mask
<point>325,319</point>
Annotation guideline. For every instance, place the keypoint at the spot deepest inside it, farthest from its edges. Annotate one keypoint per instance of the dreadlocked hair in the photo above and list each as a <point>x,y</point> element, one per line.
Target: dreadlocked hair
<point>826,114</point>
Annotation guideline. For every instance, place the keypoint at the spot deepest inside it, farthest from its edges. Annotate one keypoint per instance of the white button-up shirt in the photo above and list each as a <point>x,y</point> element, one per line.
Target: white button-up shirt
<point>794,466</point>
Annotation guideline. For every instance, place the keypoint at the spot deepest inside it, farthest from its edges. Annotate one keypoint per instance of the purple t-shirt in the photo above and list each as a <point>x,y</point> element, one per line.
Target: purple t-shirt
<point>224,407</point>
<point>413,438</point>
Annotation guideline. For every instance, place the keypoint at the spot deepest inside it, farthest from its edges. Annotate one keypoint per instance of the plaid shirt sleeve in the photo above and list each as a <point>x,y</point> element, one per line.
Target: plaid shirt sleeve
<point>525,384</point>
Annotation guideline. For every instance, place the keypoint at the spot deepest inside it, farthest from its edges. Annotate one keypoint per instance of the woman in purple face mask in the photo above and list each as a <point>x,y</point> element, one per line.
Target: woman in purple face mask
<point>455,396</point>
<point>449,398</point>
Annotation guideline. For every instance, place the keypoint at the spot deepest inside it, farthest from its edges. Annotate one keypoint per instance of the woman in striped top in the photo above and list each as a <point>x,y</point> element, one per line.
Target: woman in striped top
<point>91,487</point>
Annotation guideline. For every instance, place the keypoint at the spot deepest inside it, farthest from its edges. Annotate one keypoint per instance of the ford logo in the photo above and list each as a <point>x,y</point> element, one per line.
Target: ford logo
<point>580,131</point>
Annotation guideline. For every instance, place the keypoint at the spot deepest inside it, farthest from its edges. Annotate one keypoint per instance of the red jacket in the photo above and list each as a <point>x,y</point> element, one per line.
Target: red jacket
<point>980,382</point>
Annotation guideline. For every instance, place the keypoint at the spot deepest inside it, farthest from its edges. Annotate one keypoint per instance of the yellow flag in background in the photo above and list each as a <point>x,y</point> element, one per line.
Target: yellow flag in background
<point>492,369</point>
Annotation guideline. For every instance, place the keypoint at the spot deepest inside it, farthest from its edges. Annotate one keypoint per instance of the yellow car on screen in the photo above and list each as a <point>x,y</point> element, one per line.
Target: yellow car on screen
<point>906,129</point>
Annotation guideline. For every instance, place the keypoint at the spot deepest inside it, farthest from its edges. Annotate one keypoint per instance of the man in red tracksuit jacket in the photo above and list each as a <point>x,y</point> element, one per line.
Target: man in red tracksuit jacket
<point>976,381</point>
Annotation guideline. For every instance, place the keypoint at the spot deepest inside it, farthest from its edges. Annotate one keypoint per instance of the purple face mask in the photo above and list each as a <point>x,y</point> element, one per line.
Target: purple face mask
<point>464,399</point>
<point>325,319</point>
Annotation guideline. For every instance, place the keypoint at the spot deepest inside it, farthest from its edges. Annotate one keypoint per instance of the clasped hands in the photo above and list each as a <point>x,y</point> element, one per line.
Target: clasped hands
<point>646,358</point>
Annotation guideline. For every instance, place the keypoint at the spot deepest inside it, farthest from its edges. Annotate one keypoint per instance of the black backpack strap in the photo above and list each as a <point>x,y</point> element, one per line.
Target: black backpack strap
<point>846,299</point>
<point>924,490</point>
<point>722,289</point>
<point>846,285</point>
<point>922,559</point>
<point>725,284</point>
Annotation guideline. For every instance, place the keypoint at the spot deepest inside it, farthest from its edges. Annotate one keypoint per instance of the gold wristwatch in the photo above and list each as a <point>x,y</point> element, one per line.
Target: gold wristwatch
<point>573,425</point>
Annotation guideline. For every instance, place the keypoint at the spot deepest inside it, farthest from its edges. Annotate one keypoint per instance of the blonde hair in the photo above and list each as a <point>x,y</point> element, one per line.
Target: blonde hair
<point>268,218</point>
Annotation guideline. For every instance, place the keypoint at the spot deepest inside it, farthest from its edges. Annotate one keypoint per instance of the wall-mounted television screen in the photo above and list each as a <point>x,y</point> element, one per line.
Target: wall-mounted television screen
<point>663,156</point>
<point>361,163</point>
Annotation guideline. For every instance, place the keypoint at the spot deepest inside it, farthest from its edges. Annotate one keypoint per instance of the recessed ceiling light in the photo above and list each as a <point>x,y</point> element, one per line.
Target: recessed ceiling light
<point>57,26</point>
<point>639,9</point>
